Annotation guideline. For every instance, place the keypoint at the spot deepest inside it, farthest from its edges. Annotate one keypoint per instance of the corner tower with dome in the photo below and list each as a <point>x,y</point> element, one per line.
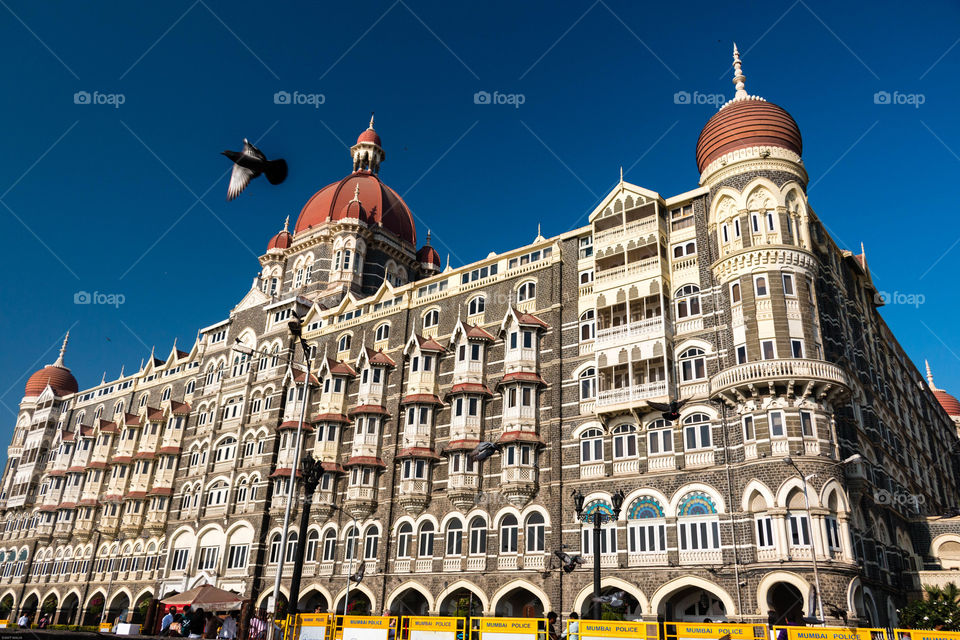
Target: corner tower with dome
<point>730,299</point>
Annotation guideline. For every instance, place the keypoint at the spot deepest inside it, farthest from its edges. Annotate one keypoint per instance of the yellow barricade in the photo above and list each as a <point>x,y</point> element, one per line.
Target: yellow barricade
<point>510,628</point>
<point>923,634</point>
<point>432,628</point>
<point>589,629</point>
<point>106,627</point>
<point>682,630</point>
<point>366,628</point>
<point>309,626</point>
<point>831,633</point>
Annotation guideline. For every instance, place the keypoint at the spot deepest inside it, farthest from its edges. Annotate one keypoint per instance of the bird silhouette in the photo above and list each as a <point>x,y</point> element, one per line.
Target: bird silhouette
<point>249,164</point>
<point>358,576</point>
<point>614,599</point>
<point>670,412</point>
<point>569,562</point>
<point>483,451</point>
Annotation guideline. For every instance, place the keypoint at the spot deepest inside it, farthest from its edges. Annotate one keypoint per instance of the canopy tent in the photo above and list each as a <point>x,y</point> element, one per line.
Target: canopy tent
<point>206,597</point>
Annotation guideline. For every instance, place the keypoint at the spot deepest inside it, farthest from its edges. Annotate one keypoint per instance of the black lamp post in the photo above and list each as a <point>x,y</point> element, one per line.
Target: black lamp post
<point>310,473</point>
<point>598,518</point>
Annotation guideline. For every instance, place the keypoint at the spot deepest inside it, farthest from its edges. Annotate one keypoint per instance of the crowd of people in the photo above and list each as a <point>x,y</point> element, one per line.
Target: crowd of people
<point>197,623</point>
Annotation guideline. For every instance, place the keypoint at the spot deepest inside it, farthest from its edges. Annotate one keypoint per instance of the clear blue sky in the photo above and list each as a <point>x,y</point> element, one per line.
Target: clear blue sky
<point>97,198</point>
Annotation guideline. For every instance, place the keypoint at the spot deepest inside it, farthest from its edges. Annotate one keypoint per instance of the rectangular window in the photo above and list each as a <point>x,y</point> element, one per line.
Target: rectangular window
<point>660,441</point>
<point>768,349</point>
<point>179,561</point>
<point>799,530</point>
<point>776,424</point>
<point>833,532</point>
<point>806,423</point>
<point>699,535</point>
<point>788,288</point>
<point>741,354</point>
<point>748,431</point>
<point>208,558</point>
<point>796,346</point>
<point>646,538</point>
<point>765,532</point>
<point>760,286</point>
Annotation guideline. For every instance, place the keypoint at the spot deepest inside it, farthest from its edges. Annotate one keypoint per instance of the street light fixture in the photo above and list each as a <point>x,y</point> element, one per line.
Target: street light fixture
<point>310,470</point>
<point>813,544</point>
<point>598,518</point>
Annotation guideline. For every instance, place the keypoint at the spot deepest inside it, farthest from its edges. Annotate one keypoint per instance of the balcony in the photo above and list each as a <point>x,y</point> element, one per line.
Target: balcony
<point>518,484</point>
<point>644,226</point>
<point>414,495</point>
<point>662,463</point>
<point>701,556</point>
<point>453,563</point>
<point>631,395</point>
<point>639,330</point>
<point>477,563</point>
<point>361,501</point>
<point>647,559</point>
<point>506,563</point>
<point>462,489</point>
<point>534,562</point>
<point>816,377</point>
<point>626,273</point>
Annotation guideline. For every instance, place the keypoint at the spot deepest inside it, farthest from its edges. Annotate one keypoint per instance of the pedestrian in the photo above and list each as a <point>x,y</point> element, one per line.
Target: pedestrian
<point>572,632</point>
<point>257,627</point>
<point>197,622</point>
<point>185,621</point>
<point>44,621</point>
<point>228,630</point>
<point>167,621</point>
<point>552,626</point>
<point>211,626</point>
<point>23,621</point>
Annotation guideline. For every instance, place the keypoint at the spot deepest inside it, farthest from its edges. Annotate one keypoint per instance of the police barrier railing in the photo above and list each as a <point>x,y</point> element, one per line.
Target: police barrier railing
<point>712,630</point>
<point>508,628</point>
<point>611,630</point>
<point>922,634</point>
<point>829,633</point>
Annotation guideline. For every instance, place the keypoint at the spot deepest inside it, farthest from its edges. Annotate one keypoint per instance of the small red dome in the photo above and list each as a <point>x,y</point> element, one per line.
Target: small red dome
<point>948,402</point>
<point>353,209</point>
<point>743,123</point>
<point>369,135</point>
<point>428,255</point>
<point>380,204</point>
<point>59,378</point>
<point>282,240</point>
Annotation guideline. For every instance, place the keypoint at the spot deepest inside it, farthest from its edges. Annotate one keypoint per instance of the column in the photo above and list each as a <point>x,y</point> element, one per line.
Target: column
<point>780,531</point>
<point>846,539</point>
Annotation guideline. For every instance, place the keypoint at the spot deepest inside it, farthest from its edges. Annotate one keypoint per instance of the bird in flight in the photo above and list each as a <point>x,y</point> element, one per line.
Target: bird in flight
<point>250,163</point>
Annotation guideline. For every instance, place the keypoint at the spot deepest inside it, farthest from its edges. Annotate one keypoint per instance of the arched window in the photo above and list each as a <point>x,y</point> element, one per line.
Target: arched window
<point>478,536</point>
<point>608,538</point>
<point>588,325</point>
<point>431,318</point>
<point>509,530</point>
<point>425,537</point>
<point>118,409</point>
<point>241,491</point>
<point>313,541</point>
<point>697,522</point>
<point>588,384</point>
<point>697,432</point>
<point>371,543</point>
<point>191,387</point>
<point>688,301</point>
<point>536,533</point>
<point>143,400</point>
<point>382,332</point>
<point>685,249</point>
<point>329,546</point>
<point>404,534</point>
<point>693,364</point>
<point>526,291</point>
<point>166,395</point>
<point>275,549</point>
<point>218,494</point>
<point>624,441</point>
<point>591,446</point>
<point>476,305</point>
<point>226,450</point>
<point>353,537</point>
<point>646,527</point>
<point>343,344</point>
<point>454,538</point>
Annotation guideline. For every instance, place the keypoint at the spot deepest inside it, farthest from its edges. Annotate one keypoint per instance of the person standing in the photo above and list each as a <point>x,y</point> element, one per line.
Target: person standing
<point>552,626</point>
<point>167,621</point>
<point>197,622</point>
<point>228,631</point>
<point>23,621</point>
<point>572,631</point>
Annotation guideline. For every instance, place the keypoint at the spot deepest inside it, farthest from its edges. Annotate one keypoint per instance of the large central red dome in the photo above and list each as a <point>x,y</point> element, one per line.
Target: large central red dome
<point>745,123</point>
<point>381,205</point>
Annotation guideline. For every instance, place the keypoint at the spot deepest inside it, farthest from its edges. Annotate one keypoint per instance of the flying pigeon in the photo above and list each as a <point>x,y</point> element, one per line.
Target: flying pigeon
<point>614,599</point>
<point>250,163</point>
<point>670,412</point>
<point>483,451</point>
<point>358,576</point>
<point>569,562</point>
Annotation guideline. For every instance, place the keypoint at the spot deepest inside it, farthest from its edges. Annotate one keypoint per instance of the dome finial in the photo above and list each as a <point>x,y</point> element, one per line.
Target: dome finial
<point>286,223</point>
<point>63,349</point>
<point>929,374</point>
<point>428,237</point>
<point>738,76</point>
<point>371,120</point>
<point>356,193</point>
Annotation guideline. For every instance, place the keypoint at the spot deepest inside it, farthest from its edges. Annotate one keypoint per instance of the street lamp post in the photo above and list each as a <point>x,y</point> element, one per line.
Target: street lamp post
<point>296,331</point>
<point>813,538</point>
<point>310,470</point>
<point>598,518</point>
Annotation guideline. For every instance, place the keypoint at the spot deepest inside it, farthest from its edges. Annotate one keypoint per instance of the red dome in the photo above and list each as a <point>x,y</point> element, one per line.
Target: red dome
<point>948,402</point>
<point>380,205</point>
<point>428,255</point>
<point>282,240</point>
<point>744,123</point>
<point>59,378</point>
<point>369,135</point>
<point>353,209</point>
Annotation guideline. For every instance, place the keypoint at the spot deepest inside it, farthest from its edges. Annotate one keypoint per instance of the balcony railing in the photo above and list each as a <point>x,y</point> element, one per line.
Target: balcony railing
<point>630,271</point>
<point>647,327</point>
<point>791,369</point>
<point>624,395</point>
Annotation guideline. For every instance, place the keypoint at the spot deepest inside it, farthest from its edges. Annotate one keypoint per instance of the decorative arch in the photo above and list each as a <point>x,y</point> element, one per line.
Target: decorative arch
<point>791,484</point>
<point>520,584</point>
<point>415,586</point>
<point>770,579</point>
<point>696,487</point>
<point>669,588</point>
<point>832,487</point>
<point>353,588</point>
<point>469,586</point>
<point>617,583</point>
<point>757,487</point>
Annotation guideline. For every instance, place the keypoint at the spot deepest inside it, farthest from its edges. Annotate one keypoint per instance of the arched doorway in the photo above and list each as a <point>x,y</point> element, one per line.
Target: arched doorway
<point>520,603</point>
<point>410,603</point>
<point>693,604</point>
<point>623,605</point>
<point>462,603</point>
<point>119,607</point>
<point>6,607</point>
<point>139,613</point>
<point>49,607</point>
<point>30,607</point>
<point>94,610</point>
<point>281,611</point>
<point>359,604</point>
<point>313,600</point>
<point>786,604</point>
<point>68,612</point>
